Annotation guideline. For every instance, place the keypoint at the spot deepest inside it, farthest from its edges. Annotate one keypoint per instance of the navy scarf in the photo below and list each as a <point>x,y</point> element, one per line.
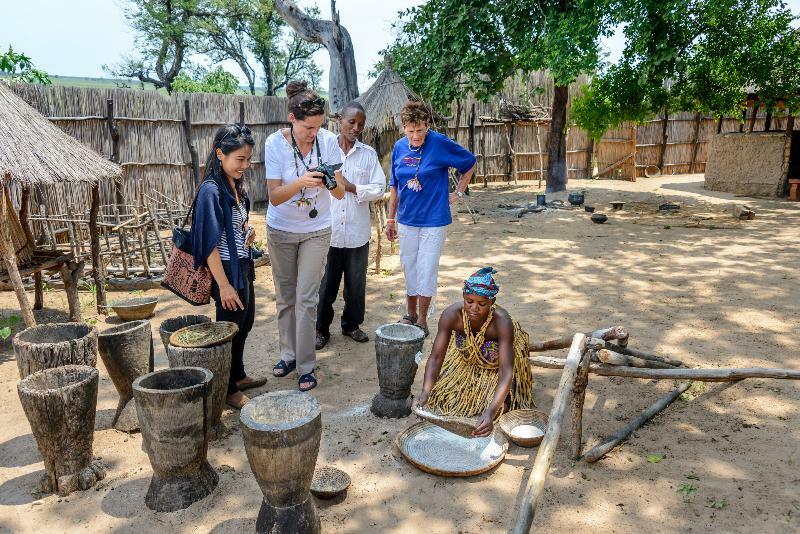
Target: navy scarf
<point>213,213</point>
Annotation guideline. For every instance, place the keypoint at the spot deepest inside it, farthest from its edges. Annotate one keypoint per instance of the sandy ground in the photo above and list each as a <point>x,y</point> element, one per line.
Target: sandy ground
<point>716,297</point>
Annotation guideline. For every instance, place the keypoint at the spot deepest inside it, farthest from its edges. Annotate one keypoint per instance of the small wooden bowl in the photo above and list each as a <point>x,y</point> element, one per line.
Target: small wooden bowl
<point>203,335</point>
<point>328,482</point>
<point>135,309</point>
<point>515,418</point>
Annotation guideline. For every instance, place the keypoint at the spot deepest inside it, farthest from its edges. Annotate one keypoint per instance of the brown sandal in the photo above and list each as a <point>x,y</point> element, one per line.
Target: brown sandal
<point>411,320</point>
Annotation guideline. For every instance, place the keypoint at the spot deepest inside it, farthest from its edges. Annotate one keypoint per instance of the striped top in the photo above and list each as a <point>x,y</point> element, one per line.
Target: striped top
<point>239,223</point>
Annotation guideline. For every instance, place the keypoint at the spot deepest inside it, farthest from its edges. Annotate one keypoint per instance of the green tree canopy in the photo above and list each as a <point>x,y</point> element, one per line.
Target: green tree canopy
<point>218,80</point>
<point>20,68</point>
<point>694,55</point>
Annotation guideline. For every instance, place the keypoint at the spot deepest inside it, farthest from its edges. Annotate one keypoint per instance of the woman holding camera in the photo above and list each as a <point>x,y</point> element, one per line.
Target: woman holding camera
<point>299,224</point>
<point>221,239</point>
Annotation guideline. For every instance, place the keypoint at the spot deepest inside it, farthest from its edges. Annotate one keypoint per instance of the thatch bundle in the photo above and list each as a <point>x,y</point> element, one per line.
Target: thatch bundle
<point>33,151</point>
<point>384,100</point>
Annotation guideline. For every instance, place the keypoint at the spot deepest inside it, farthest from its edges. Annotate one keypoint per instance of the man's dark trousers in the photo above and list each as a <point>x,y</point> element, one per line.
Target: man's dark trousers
<point>350,264</point>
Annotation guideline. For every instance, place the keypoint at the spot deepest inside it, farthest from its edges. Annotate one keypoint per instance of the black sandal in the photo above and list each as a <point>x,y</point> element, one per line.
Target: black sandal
<point>307,379</point>
<point>411,320</point>
<point>282,368</point>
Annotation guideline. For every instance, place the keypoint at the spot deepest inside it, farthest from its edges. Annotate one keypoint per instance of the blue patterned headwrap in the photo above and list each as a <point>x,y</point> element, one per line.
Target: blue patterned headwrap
<point>482,283</point>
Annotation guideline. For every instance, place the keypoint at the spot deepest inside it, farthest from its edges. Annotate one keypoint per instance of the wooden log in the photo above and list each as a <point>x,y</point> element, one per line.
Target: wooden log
<point>54,345</point>
<point>70,274</point>
<point>551,344</point>
<point>60,406</point>
<point>576,404</point>
<point>172,406</point>
<point>127,353</point>
<point>615,358</point>
<point>644,355</point>
<point>603,448</point>
<point>699,375</point>
<point>217,360</point>
<point>609,333</point>
<point>618,333</point>
<point>10,260</point>
<point>97,265</point>
<point>38,301</point>
<point>547,448</point>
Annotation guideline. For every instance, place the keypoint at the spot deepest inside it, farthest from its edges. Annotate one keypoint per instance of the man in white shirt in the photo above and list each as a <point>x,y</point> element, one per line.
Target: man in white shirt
<point>364,181</point>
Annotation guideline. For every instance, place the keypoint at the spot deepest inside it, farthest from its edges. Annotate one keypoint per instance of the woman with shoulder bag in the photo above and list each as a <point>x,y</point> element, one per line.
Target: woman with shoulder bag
<point>299,225</point>
<point>221,240</point>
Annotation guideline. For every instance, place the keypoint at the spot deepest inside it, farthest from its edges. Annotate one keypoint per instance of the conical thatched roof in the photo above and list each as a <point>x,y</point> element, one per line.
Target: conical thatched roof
<point>33,151</point>
<point>384,100</point>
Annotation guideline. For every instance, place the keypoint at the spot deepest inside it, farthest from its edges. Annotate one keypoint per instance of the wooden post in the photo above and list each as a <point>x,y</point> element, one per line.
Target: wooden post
<point>157,230</point>
<point>752,122</point>
<point>535,486</point>
<point>589,157</point>
<point>70,274</point>
<point>187,131</point>
<point>789,125</point>
<point>471,142</point>
<point>663,149</point>
<point>483,159</point>
<point>696,141</point>
<point>38,295</point>
<point>541,156</point>
<point>513,153</point>
<point>98,273</point>
<point>509,153</point>
<point>719,124</point>
<point>576,404</point>
<point>48,227</point>
<point>622,434</point>
<point>768,122</point>
<point>10,259</point>
<point>114,134</point>
<point>241,112</point>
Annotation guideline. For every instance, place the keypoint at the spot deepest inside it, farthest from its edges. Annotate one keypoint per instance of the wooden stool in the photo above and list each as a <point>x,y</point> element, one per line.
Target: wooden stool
<point>794,189</point>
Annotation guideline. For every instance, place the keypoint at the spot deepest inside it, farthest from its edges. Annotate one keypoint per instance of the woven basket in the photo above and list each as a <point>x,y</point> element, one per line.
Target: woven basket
<point>135,309</point>
<point>328,482</point>
<point>202,335</point>
<point>439,452</point>
<point>515,418</point>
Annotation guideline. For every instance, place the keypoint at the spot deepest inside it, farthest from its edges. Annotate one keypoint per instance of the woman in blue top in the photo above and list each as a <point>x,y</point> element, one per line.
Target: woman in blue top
<point>419,204</point>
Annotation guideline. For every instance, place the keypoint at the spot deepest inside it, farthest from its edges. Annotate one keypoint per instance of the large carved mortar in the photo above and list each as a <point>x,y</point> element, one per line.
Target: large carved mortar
<point>216,359</point>
<point>173,408</point>
<point>170,326</point>
<point>281,437</point>
<point>127,353</point>
<point>60,406</point>
<point>398,350</point>
<point>51,345</point>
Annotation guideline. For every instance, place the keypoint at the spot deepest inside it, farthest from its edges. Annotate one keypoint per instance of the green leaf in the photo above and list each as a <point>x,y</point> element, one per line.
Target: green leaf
<point>654,458</point>
<point>5,332</point>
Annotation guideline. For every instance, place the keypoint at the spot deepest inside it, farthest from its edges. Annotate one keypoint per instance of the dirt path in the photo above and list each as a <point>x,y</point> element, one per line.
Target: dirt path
<point>716,297</point>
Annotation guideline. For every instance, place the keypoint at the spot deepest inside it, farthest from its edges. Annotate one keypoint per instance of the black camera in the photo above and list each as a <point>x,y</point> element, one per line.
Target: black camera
<point>328,174</point>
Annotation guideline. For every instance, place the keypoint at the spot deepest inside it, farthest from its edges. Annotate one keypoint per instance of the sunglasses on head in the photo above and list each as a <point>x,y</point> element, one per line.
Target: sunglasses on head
<point>311,103</point>
<point>237,130</point>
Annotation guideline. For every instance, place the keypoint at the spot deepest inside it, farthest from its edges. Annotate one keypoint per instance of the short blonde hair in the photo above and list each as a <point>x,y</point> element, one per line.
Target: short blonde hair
<point>415,111</point>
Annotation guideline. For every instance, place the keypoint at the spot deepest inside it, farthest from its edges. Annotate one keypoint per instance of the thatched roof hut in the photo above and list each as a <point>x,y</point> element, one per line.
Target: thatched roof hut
<point>33,152</point>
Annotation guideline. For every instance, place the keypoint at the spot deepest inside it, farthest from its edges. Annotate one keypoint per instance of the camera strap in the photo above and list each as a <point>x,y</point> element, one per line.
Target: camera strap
<point>297,155</point>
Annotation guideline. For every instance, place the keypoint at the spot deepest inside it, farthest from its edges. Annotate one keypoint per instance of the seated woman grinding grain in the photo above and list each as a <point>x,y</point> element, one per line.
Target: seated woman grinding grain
<point>479,360</point>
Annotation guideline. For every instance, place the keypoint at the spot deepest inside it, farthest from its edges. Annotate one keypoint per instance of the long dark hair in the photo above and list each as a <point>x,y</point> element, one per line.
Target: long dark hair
<point>302,101</point>
<point>228,138</point>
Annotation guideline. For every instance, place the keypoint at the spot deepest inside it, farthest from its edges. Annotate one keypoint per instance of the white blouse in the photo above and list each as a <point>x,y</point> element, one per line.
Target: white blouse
<point>279,163</point>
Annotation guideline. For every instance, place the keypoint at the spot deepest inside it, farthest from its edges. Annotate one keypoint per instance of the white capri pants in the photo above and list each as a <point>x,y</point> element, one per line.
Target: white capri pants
<point>420,249</point>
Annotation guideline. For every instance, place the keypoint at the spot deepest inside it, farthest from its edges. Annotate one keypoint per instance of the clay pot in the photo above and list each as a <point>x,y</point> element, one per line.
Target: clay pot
<point>281,433</point>
<point>576,198</point>
<point>398,351</point>
<point>51,345</point>
<point>173,412</point>
<point>60,406</point>
<point>170,326</point>
<point>127,353</point>
<point>216,359</point>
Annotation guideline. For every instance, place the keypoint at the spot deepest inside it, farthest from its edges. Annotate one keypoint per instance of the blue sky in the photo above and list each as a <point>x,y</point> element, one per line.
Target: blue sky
<point>77,37</point>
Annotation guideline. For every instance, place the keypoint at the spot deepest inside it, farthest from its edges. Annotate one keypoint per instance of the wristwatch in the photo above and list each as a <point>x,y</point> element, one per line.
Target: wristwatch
<point>459,194</point>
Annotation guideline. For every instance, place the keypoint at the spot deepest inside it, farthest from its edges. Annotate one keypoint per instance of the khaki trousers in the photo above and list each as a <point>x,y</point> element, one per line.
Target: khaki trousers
<point>298,263</point>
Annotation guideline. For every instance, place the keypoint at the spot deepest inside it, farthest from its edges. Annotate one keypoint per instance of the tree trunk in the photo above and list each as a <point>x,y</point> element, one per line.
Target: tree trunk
<point>60,406</point>
<point>557,142</point>
<point>343,78</point>
<point>54,345</point>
